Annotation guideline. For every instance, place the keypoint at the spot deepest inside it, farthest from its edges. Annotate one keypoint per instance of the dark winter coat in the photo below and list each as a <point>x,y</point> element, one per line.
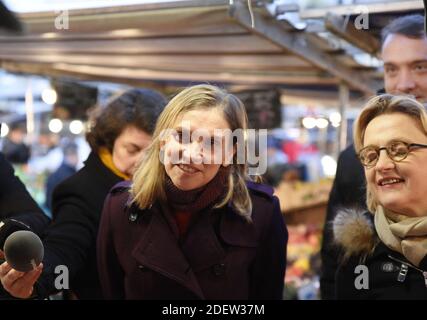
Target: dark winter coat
<point>373,271</point>
<point>222,256</point>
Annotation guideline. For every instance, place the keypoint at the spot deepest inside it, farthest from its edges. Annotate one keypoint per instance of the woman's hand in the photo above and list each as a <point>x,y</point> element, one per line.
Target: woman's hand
<point>18,284</point>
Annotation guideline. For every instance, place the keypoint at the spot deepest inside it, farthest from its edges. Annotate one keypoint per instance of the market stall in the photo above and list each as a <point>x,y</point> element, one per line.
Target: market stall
<point>253,49</point>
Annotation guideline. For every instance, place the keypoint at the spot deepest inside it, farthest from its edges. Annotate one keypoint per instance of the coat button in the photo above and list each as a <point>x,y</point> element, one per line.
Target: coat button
<point>218,269</point>
<point>389,267</point>
<point>133,216</point>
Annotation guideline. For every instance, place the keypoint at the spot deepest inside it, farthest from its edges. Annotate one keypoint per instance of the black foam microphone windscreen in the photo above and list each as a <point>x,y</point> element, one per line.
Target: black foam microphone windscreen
<point>23,250</point>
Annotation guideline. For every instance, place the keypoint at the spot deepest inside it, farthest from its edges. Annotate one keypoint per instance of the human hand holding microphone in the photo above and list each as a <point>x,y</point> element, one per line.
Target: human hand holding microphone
<point>23,252</point>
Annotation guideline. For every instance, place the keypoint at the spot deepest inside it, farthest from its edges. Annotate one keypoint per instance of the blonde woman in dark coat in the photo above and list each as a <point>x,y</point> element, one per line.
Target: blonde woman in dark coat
<point>193,228</point>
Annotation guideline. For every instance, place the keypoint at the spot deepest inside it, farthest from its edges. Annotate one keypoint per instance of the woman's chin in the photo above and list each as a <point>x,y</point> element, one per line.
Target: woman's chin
<point>394,205</point>
<point>388,203</point>
<point>184,185</point>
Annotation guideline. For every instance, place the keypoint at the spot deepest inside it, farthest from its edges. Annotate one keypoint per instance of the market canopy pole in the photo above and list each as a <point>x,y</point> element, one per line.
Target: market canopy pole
<point>344,97</point>
<point>300,45</point>
<point>29,111</point>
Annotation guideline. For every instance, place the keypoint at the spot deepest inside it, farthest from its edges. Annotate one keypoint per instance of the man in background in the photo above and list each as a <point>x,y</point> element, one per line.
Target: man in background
<point>14,148</point>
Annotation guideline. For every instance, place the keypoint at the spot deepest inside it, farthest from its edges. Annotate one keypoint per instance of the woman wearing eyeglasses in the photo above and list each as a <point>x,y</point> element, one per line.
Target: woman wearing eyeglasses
<point>385,253</point>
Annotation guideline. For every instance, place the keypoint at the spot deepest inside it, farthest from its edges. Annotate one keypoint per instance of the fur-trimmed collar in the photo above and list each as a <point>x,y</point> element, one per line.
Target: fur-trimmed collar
<point>354,231</point>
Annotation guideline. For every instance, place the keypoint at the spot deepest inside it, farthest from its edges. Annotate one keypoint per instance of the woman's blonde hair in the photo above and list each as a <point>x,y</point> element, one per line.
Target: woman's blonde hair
<point>149,178</point>
<point>380,105</point>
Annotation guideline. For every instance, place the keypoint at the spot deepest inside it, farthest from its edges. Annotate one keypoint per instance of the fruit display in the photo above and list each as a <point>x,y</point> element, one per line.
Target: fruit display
<point>303,262</point>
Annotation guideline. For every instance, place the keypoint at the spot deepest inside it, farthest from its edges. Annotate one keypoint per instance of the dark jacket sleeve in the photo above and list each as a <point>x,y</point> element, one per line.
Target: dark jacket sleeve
<point>111,274</point>
<point>348,191</point>
<point>16,202</point>
<point>68,240</point>
<point>268,271</point>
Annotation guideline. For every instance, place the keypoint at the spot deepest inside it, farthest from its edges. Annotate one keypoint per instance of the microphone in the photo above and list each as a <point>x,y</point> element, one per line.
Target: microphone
<point>23,250</point>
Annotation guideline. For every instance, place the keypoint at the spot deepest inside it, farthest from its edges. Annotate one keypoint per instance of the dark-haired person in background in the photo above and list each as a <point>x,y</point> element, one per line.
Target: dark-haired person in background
<point>121,133</point>
<point>404,53</point>
<point>14,148</point>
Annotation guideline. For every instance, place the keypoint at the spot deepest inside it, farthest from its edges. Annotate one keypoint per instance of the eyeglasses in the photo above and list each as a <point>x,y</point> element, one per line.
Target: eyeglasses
<point>396,151</point>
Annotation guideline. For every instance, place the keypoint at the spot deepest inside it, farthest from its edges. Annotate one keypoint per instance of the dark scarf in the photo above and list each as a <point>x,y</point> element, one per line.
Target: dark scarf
<point>193,201</point>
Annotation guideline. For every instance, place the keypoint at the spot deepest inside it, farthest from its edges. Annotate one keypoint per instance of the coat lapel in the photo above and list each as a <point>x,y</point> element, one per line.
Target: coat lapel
<point>202,247</point>
<point>236,231</point>
<point>159,250</point>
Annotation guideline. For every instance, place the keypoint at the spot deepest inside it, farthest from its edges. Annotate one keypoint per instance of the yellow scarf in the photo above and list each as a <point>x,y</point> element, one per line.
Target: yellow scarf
<point>407,235</point>
<point>107,159</point>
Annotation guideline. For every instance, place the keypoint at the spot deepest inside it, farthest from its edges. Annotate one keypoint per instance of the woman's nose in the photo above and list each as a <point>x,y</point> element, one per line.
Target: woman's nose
<point>406,82</point>
<point>384,161</point>
<point>192,153</point>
